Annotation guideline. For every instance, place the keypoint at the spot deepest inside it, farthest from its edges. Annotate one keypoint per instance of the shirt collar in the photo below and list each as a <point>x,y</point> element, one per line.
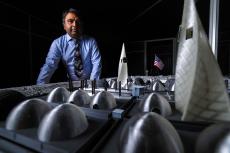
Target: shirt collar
<point>70,38</point>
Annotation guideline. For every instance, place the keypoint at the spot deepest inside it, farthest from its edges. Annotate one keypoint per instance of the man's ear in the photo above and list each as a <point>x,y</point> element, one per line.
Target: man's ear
<point>64,27</point>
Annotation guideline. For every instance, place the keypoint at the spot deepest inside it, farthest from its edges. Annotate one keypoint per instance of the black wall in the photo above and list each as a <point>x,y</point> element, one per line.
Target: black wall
<point>27,29</point>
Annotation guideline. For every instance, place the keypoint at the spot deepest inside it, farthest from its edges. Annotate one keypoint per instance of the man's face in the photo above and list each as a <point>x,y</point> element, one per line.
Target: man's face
<point>72,25</point>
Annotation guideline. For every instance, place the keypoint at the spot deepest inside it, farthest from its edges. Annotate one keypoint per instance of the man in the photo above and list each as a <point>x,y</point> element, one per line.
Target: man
<point>80,54</point>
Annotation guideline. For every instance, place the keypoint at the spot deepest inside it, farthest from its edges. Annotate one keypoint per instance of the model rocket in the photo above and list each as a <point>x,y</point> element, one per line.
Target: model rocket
<point>123,68</point>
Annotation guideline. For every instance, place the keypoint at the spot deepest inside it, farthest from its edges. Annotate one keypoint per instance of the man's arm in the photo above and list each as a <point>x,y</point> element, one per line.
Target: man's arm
<point>96,62</point>
<point>51,64</point>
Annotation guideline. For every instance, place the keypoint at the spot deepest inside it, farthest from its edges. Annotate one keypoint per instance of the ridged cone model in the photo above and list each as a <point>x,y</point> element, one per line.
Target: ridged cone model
<point>200,92</point>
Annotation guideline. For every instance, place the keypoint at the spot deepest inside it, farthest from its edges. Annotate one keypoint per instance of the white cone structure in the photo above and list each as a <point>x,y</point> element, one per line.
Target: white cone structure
<point>200,92</point>
<point>123,68</point>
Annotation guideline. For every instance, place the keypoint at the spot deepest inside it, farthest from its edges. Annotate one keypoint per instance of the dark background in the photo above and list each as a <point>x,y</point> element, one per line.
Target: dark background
<point>27,29</point>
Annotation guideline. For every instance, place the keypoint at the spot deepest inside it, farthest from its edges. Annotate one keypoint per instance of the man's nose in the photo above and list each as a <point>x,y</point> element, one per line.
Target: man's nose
<point>76,23</point>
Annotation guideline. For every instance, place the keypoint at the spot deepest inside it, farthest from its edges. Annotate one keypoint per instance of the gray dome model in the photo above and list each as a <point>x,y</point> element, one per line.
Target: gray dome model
<point>139,81</point>
<point>63,122</point>
<point>8,100</point>
<point>103,100</point>
<point>155,103</point>
<point>27,114</point>
<point>157,85</point>
<point>214,139</point>
<point>170,84</point>
<point>113,83</point>
<point>58,95</point>
<point>147,133</point>
<point>79,98</point>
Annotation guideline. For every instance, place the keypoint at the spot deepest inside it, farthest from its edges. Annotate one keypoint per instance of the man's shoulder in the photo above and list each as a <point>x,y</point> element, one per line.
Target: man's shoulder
<point>61,38</point>
<point>88,38</point>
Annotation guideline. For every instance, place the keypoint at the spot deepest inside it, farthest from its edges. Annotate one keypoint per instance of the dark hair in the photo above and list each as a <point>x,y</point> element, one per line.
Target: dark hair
<point>70,10</point>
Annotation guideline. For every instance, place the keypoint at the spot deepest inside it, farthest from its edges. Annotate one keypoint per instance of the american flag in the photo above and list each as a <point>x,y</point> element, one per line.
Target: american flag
<point>158,63</point>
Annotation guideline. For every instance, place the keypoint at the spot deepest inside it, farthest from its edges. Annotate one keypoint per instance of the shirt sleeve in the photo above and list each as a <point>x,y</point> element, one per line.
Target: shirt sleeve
<point>96,62</point>
<point>51,64</point>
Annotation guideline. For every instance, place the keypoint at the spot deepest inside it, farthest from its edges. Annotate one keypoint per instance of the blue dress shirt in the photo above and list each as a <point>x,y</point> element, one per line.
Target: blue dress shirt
<point>63,48</point>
